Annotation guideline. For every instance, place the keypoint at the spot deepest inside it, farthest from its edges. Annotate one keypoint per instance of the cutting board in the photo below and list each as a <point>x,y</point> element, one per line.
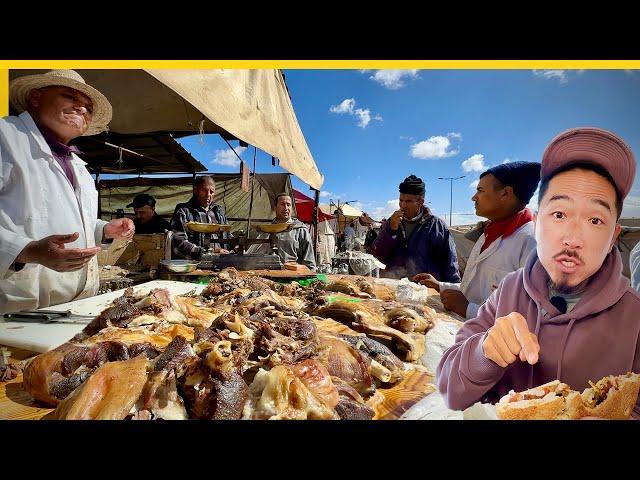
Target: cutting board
<point>42,337</point>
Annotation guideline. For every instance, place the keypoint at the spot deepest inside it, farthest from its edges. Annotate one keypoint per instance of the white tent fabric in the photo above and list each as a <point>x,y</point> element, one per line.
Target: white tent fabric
<point>347,210</point>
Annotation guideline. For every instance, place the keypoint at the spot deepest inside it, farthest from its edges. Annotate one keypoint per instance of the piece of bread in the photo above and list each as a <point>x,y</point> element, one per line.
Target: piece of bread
<point>612,398</point>
<point>618,401</point>
<point>540,403</point>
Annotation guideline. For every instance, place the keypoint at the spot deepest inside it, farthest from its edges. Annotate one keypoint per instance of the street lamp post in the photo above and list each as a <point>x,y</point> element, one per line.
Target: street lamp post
<point>451,179</point>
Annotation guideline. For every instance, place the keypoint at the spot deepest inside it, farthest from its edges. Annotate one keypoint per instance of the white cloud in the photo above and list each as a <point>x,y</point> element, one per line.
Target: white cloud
<point>475,163</point>
<point>455,135</point>
<point>474,185</point>
<point>227,158</point>
<point>384,211</point>
<point>393,79</point>
<point>560,75</point>
<point>364,117</point>
<point>402,137</point>
<point>435,147</point>
<point>346,106</point>
<point>332,195</point>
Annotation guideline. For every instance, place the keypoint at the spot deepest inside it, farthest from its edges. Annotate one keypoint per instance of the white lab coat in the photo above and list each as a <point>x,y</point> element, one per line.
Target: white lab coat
<point>485,270</point>
<point>37,200</point>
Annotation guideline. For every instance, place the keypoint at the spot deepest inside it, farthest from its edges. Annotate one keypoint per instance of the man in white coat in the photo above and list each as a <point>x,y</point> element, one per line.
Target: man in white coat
<point>502,195</point>
<point>49,230</point>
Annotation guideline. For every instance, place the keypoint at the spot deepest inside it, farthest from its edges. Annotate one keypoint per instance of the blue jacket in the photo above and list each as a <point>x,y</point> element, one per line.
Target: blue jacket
<point>429,249</point>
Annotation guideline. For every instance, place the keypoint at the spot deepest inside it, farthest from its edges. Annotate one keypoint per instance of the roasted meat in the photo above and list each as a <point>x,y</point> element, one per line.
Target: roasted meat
<point>280,394</point>
<point>109,394</point>
<point>344,361</point>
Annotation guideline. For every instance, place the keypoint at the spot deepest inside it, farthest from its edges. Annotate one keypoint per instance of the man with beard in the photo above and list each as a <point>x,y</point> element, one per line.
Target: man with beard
<point>505,242</point>
<point>415,241</point>
<point>569,314</point>
<point>49,227</point>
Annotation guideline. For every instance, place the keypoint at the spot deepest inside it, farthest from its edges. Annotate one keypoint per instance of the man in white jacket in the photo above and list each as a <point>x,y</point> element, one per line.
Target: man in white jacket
<point>503,247</point>
<point>49,230</point>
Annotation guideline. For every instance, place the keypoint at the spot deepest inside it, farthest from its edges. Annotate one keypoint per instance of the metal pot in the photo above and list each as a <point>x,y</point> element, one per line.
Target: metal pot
<point>180,266</point>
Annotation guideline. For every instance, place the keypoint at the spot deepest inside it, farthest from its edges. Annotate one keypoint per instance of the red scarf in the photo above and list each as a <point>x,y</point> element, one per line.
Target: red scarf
<point>504,228</point>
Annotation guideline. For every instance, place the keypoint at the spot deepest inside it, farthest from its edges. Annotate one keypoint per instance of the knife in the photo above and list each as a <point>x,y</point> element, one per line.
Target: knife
<point>48,316</point>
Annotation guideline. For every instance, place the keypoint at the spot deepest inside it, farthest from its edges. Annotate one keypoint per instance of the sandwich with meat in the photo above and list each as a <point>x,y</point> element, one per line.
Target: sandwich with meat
<point>612,398</point>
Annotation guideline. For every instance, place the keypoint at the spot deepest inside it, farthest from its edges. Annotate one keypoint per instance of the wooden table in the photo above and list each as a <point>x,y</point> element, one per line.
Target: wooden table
<point>15,402</point>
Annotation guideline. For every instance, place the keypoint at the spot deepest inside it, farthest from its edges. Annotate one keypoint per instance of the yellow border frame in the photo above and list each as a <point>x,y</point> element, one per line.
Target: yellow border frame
<point>5,65</point>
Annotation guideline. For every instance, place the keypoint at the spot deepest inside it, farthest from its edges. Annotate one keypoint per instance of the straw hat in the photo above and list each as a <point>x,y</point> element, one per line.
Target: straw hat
<point>20,87</point>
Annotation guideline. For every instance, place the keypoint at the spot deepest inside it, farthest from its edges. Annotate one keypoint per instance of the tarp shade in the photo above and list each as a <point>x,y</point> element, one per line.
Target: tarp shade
<point>168,192</point>
<point>161,154</point>
<point>251,105</point>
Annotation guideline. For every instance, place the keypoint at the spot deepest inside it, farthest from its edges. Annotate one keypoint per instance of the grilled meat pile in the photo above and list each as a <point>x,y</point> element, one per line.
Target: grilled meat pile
<point>246,348</point>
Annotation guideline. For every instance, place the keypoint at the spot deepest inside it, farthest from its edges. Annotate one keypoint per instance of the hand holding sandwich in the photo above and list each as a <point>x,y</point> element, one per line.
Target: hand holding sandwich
<point>510,339</point>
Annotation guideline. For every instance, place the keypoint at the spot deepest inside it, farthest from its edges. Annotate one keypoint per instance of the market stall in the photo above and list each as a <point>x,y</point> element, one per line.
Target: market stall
<point>401,378</point>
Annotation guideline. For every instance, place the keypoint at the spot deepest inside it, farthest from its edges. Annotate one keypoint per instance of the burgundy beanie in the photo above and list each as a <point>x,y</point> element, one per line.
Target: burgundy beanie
<point>592,145</point>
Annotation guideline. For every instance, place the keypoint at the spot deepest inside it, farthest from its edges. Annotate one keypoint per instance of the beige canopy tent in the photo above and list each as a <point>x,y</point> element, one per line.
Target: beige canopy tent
<point>345,209</point>
<point>116,194</point>
<point>343,215</point>
<point>249,105</point>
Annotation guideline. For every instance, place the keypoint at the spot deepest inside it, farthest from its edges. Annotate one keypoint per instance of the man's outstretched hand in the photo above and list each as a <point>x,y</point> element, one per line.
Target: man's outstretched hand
<point>119,228</point>
<point>52,253</point>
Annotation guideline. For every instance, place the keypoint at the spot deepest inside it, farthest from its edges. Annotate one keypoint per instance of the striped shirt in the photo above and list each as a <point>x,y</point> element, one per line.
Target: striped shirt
<point>190,245</point>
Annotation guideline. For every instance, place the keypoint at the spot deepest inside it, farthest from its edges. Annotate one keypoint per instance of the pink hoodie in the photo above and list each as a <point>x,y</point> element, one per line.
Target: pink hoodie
<point>599,337</point>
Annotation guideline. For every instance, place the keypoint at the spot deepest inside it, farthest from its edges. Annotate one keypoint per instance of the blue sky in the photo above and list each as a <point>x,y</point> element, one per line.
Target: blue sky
<point>368,130</point>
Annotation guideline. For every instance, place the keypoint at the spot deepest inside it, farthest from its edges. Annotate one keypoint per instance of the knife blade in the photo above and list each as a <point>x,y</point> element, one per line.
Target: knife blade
<point>48,316</point>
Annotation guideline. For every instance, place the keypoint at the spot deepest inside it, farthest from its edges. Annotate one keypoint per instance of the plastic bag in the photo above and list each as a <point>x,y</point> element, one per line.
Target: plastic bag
<point>412,293</point>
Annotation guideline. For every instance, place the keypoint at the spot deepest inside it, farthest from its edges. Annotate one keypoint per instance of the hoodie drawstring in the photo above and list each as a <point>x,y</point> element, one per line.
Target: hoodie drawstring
<point>536,332</point>
<point>562,347</point>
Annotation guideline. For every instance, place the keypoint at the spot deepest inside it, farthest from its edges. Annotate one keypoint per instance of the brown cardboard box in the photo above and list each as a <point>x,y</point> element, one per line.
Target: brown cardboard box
<point>151,248</point>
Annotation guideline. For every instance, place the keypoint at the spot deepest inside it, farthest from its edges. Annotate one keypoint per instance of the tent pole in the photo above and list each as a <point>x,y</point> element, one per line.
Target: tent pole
<point>316,201</point>
<point>98,189</point>
<point>255,149</point>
